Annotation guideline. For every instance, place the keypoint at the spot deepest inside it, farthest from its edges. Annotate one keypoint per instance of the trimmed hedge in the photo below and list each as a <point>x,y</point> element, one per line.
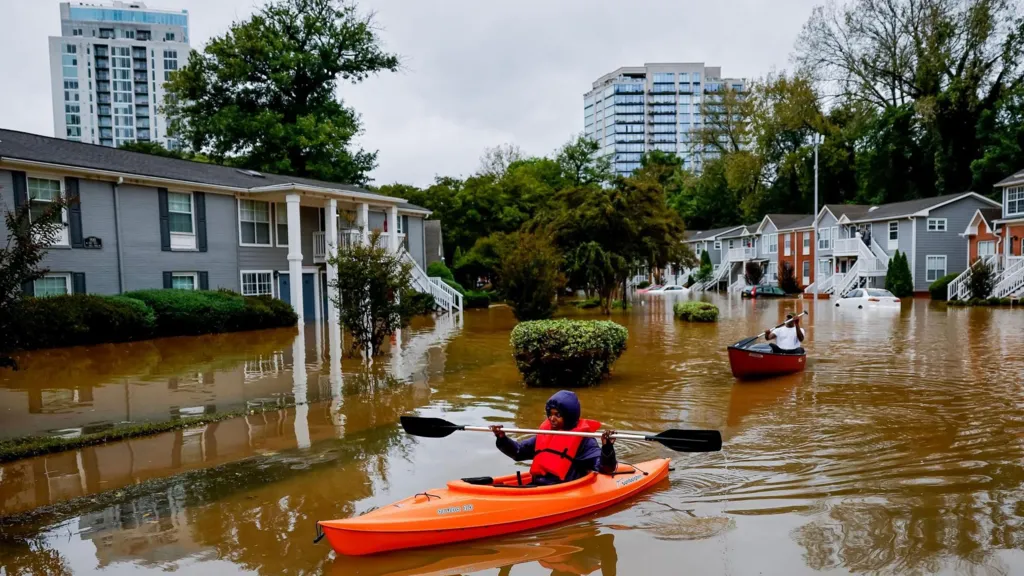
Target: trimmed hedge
<point>696,311</point>
<point>80,320</point>
<point>190,312</point>
<point>642,285</point>
<point>567,352</point>
<point>986,302</point>
<point>939,289</point>
<point>439,269</point>
<point>420,303</point>
<point>476,299</point>
<point>588,303</point>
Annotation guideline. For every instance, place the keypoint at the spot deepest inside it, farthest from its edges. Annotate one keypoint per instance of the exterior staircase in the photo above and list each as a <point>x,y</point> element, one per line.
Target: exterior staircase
<point>720,273</point>
<point>446,297</point>
<point>1011,281</point>
<point>960,288</point>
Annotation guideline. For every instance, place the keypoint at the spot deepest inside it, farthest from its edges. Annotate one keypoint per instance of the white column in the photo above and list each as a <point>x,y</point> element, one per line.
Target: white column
<point>295,253</point>
<point>337,402</point>
<point>363,221</point>
<point>393,229</point>
<point>331,222</point>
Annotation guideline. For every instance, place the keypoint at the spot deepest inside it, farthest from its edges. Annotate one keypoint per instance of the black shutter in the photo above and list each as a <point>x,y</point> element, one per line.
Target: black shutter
<point>78,282</point>
<point>28,288</point>
<point>165,220</point>
<point>74,212</point>
<point>167,279</point>
<point>20,189</point>
<point>204,280</point>
<point>200,200</point>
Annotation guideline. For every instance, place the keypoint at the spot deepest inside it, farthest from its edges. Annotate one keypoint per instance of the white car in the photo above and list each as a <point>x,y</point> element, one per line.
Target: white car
<point>868,298</point>
<point>670,289</point>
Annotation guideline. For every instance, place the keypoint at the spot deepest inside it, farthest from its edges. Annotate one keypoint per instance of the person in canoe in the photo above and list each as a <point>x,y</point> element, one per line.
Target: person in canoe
<point>787,338</point>
<point>561,458</point>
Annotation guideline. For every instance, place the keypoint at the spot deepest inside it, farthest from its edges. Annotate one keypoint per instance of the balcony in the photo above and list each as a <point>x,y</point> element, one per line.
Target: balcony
<point>141,89</point>
<point>139,53</point>
<point>100,51</point>
<point>102,63</point>
<point>140,77</point>
<point>142,134</point>
<point>142,100</point>
<point>741,254</point>
<point>106,122</point>
<point>103,86</point>
<point>103,98</point>
<point>846,246</point>
<point>142,111</point>
<point>140,65</point>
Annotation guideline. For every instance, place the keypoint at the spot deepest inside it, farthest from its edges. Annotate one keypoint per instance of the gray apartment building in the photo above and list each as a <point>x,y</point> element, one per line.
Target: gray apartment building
<point>637,109</point>
<point>142,221</point>
<point>108,68</point>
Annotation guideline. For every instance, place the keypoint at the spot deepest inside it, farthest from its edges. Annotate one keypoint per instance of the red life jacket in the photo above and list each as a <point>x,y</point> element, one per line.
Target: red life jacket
<point>553,454</point>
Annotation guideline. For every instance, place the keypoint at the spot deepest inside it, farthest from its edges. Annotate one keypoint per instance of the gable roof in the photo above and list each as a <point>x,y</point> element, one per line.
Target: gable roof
<point>805,222</point>
<point>782,221</point>
<point>740,231</point>
<point>57,152</point>
<point>905,209</point>
<point>701,235</point>
<point>989,215</point>
<point>1015,178</point>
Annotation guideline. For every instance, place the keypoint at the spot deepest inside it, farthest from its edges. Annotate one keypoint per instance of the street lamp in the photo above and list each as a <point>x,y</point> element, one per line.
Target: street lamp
<point>817,139</point>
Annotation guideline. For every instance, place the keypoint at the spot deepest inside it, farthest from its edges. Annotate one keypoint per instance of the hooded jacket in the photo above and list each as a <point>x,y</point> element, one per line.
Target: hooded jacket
<point>590,457</point>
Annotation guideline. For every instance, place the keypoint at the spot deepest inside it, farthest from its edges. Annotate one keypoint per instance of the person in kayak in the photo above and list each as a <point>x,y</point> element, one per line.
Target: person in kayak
<point>787,338</point>
<point>561,458</point>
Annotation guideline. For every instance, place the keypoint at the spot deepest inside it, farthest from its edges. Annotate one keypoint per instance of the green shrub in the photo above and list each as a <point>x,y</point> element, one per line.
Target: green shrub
<point>940,288</point>
<point>80,319</point>
<point>458,287</point>
<point>531,276</point>
<point>476,299</point>
<point>982,281</point>
<point>420,303</point>
<point>588,303</point>
<point>567,352</point>
<point>439,269</point>
<point>696,311</point>
<point>186,312</point>
<point>787,279</point>
<point>994,301</point>
<point>898,279</point>
<point>642,285</point>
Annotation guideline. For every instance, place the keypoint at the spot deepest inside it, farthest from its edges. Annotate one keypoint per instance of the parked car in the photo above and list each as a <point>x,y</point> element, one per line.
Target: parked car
<point>670,289</point>
<point>868,298</point>
<point>762,291</point>
<point>650,288</point>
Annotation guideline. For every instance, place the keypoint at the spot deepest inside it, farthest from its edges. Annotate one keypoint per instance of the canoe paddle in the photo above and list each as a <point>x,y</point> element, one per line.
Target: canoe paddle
<point>745,342</point>
<point>678,440</point>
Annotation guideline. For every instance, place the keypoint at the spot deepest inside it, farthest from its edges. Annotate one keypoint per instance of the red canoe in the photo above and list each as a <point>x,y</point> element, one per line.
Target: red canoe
<point>759,361</point>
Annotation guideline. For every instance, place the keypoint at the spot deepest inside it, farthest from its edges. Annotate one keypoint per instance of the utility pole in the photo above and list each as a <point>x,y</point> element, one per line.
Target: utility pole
<point>818,139</point>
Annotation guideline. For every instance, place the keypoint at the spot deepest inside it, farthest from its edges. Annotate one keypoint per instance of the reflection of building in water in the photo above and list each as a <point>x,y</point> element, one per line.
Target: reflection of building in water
<point>413,354</point>
<point>152,529</point>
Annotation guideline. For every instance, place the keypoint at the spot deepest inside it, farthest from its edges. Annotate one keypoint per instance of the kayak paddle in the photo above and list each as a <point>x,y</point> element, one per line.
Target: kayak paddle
<point>678,440</point>
<point>745,342</point>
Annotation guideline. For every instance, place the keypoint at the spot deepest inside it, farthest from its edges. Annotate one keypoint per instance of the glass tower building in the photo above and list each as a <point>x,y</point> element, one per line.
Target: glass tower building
<point>638,109</point>
<point>108,68</point>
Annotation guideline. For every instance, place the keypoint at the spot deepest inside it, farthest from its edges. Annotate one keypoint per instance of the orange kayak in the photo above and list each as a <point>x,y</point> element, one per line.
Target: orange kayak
<point>485,507</point>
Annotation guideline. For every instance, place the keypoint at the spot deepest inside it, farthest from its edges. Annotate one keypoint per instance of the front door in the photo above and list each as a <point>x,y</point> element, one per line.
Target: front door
<point>842,266</point>
<point>308,292</point>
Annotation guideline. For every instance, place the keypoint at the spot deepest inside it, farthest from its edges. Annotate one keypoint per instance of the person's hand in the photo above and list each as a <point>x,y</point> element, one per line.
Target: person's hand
<point>796,321</point>
<point>767,334</point>
<point>607,439</point>
<point>498,432</point>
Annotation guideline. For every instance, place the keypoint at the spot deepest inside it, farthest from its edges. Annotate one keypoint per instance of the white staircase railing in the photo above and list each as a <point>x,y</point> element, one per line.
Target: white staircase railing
<point>452,293</point>
<point>849,280</point>
<point>828,283</point>
<point>721,271</point>
<point>738,285</point>
<point>741,254</point>
<point>446,297</point>
<point>1011,282</point>
<point>846,246</point>
<point>879,253</point>
<point>960,287</point>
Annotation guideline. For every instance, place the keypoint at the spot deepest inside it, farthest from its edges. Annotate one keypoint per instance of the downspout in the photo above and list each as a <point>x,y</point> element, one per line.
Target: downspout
<point>118,235</point>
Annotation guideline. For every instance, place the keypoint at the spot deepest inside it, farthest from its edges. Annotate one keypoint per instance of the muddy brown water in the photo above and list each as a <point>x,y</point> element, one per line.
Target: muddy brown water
<point>899,451</point>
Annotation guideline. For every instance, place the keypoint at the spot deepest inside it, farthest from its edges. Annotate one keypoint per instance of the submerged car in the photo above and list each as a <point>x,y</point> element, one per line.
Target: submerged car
<point>670,289</point>
<point>868,298</point>
<point>763,291</point>
<point>650,288</point>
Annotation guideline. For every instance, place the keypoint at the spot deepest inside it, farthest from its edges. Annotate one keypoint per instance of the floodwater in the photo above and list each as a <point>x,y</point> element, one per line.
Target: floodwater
<point>899,451</point>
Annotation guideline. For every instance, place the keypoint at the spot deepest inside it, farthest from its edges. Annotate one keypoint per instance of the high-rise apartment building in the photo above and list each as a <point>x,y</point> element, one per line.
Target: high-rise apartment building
<point>107,71</point>
<point>638,109</point>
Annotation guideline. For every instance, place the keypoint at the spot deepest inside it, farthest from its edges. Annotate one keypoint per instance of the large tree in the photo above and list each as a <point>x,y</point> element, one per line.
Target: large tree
<point>265,94</point>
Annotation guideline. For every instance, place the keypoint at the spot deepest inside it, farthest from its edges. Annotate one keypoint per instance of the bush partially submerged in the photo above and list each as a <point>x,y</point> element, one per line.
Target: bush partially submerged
<point>939,289</point>
<point>476,299</point>
<point>190,312</point>
<point>567,352</point>
<point>696,311</point>
<point>79,320</point>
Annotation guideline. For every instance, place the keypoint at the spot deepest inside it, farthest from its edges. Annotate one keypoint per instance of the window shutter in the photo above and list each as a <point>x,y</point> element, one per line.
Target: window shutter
<point>28,288</point>
<point>78,282</point>
<point>167,279</point>
<point>204,280</point>
<point>20,189</point>
<point>74,212</point>
<point>165,220</point>
<point>200,200</point>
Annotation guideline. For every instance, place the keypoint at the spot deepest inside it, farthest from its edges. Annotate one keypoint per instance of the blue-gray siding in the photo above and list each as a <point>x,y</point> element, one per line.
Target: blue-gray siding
<point>948,243</point>
<point>275,257</point>
<point>416,240</point>
<point>880,233</point>
<point>145,262</point>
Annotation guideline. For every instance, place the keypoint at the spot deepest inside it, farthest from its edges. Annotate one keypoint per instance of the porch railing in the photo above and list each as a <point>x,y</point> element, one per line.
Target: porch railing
<point>960,287</point>
<point>738,285</point>
<point>741,254</point>
<point>846,246</point>
<point>848,281</point>
<point>1011,282</point>
<point>346,239</point>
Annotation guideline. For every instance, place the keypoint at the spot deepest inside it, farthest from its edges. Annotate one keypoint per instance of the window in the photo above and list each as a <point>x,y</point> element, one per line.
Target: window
<point>773,244</point>
<point>986,248</point>
<point>807,271</point>
<point>281,221</point>
<point>824,268</point>
<point>807,243</point>
<point>1014,200</point>
<point>52,285</point>
<point>787,245</point>
<point>182,224</point>
<point>825,239</point>
<point>184,281</point>
<point>76,32</point>
<point>718,244</point>
<point>936,224</point>
<point>257,284</point>
<point>773,271</point>
<point>42,192</point>
<point>254,222</point>
<point>169,37</point>
<point>935,267</point>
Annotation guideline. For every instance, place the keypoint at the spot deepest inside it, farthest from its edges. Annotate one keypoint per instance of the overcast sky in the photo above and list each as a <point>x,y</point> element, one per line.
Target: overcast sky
<point>478,73</point>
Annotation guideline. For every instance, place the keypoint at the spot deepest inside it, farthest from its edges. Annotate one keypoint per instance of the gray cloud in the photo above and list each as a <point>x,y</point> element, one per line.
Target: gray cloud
<point>477,73</point>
